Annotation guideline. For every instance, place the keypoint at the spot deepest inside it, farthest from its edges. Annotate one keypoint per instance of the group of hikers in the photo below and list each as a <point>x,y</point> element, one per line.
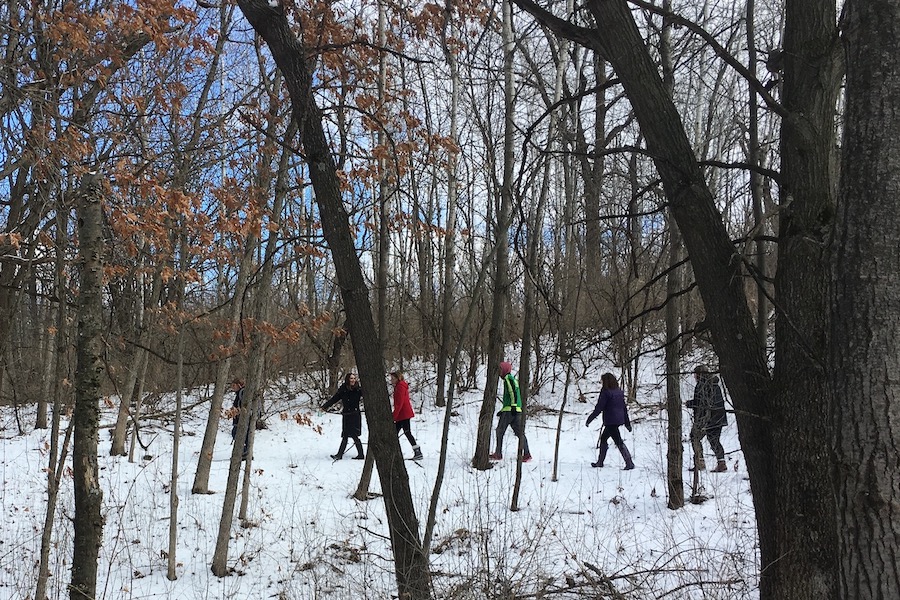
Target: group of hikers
<point>707,403</point>
<point>349,394</point>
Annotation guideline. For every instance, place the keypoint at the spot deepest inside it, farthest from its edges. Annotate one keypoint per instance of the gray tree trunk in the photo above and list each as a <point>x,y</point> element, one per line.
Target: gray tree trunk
<point>60,397</point>
<point>497,330</point>
<point>865,329</point>
<point>449,275</point>
<point>674,446</point>
<point>171,561</point>
<point>89,351</point>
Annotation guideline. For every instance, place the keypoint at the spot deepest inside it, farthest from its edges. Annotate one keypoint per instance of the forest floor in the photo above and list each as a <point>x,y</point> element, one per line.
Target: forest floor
<point>592,532</point>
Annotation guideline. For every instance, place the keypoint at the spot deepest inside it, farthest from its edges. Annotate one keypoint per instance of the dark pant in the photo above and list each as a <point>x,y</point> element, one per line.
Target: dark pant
<point>511,419</point>
<point>234,427</point>
<point>356,442</point>
<point>404,425</point>
<point>611,431</point>
<point>712,434</point>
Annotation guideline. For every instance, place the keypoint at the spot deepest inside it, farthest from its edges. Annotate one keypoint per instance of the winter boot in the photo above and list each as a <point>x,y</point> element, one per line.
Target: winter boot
<point>629,465</point>
<point>720,467</point>
<point>602,456</point>
<point>359,449</point>
<point>340,452</point>
<point>417,453</point>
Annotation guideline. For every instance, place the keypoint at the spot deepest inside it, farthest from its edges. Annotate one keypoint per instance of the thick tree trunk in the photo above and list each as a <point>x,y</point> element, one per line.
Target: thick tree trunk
<point>806,565</point>
<point>293,58</point>
<point>865,329</point>
<point>89,350</point>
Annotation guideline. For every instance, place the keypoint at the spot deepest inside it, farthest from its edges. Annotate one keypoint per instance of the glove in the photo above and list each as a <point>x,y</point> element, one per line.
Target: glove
<point>628,426</point>
<point>588,422</point>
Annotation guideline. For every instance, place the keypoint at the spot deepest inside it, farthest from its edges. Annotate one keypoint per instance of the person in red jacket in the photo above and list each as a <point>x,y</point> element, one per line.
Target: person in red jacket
<point>403,411</point>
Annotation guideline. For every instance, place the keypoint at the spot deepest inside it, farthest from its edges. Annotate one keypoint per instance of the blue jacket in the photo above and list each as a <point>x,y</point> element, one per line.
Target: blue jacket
<point>612,404</point>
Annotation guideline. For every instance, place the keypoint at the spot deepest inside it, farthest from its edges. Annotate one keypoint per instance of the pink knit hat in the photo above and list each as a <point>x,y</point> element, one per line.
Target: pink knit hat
<point>505,369</point>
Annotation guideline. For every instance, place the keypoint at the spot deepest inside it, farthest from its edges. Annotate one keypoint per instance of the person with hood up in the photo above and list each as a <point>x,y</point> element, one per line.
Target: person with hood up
<point>403,411</point>
<point>612,404</point>
<point>510,414</point>
<point>709,417</point>
<point>349,394</point>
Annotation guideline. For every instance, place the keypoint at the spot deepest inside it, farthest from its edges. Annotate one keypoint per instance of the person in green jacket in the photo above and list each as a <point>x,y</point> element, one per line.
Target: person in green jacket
<point>510,414</point>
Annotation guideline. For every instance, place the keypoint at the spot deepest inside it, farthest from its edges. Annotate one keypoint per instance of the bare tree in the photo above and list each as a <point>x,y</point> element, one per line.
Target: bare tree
<point>500,296</point>
<point>449,273</point>
<point>293,58</point>
<point>674,446</point>
<point>89,349</point>
<point>784,441</point>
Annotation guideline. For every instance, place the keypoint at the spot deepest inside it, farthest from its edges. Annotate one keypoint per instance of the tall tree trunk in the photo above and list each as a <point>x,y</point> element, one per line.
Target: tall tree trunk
<point>674,446</point>
<point>89,349</point>
<point>384,191</point>
<point>449,275</point>
<point>805,519</point>
<point>865,328</point>
<point>496,332</point>
<point>61,393</point>
<point>223,367</point>
<point>294,60</point>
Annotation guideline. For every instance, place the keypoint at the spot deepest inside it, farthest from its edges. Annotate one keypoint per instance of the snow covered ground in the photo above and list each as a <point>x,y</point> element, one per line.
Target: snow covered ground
<point>307,538</point>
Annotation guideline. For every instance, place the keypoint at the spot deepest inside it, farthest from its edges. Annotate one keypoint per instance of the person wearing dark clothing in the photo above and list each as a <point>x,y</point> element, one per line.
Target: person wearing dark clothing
<point>708,404</point>
<point>403,411</point>
<point>349,394</point>
<point>237,386</point>
<point>612,404</point>
<point>510,414</point>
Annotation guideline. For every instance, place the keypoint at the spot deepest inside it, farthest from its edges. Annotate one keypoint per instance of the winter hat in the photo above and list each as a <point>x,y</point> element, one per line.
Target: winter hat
<point>505,369</point>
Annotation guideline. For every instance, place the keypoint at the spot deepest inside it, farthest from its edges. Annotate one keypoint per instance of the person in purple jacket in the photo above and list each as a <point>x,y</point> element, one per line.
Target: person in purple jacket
<point>612,404</point>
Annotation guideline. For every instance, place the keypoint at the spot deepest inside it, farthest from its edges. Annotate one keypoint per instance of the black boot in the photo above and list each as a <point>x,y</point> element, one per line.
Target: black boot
<point>359,449</point>
<point>602,456</point>
<point>340,452</point>
<point>629,464</point>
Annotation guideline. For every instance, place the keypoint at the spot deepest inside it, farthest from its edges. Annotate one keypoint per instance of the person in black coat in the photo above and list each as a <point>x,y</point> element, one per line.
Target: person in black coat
<point>708,404</point>
<point>349,394</point>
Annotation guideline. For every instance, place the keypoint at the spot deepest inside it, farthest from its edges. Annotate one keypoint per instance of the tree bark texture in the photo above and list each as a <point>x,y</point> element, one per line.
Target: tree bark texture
<point>89,352</point>
<point>865,330</point>
<point>294,60</point>
<point>805,518</point>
